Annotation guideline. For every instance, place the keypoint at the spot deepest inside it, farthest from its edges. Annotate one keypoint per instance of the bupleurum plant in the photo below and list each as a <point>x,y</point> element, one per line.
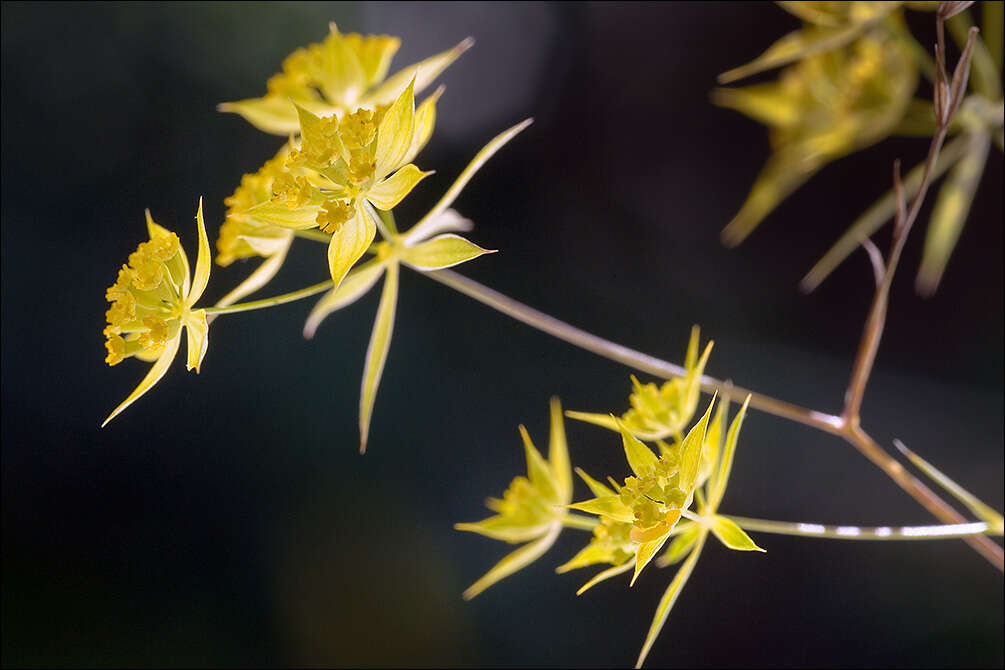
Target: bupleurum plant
<point>848,79</point>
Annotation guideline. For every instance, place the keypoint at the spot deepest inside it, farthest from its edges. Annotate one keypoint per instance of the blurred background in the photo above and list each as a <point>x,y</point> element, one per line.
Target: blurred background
<point>228,519</point>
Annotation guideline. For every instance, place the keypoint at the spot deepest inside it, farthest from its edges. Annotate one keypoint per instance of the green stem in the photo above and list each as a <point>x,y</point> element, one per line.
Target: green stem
<point>579,521</point>
<point>943,532</point>
<point>272,302</point>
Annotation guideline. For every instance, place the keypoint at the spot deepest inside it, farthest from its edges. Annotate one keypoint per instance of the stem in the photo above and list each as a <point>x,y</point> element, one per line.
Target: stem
<point>945,532</point>
<point>628,357</point>
<point>311,234</point>
<point>272,302</point>
<point>834,425</point>
<point>579,521</point>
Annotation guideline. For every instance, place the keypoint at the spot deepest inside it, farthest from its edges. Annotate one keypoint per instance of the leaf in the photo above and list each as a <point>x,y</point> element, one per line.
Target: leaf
<point>394,135</point>
<point>979,509</point>
<point>503,528</point>
<point>425,121</point>
<point>609,506</point>
<point>424,73</point>
<point>494,145</point>
<point>605,575</point>
<point>641,458</point>
<point>160,367</point>
<point>602,420</point>
<point>259,278</point>
<point>203,261</point>
<point>515,561</point>
<point>881,212</point>
<point>388,193</point>
<point>271,114</point>
<point>732,535</point>
<point>599,490</point>
<point>353,287</point>
<point>538,470</point>
<point>591,554</point>
<point>197,334</point>
<point>447,221</point>
<point>950,213</point>
<point>558,452</point>
<point>349,244</point>
<point>668,600</point>
<point>680,546</point>
<point>376,353</point>
<point>441,252</point>
<point>279,213</point>
<point>801,44</point>
<point>645,553</point>
<point>718,487</point>
<point>691,450</point>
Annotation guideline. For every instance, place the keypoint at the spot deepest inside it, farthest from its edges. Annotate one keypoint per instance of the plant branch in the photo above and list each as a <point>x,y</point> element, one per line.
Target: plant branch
<point>944,532</point>
<point>271,302</point>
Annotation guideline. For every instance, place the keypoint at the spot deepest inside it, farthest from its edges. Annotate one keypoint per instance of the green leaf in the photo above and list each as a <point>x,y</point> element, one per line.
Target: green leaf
<point>599,490</point>
<point>732,535</point>
<point>558,452</point>
<point>667,601</point>
<point>515,561</point>
<point>718,486</point>
<point>950,213</point>
<point>376,353</point>
<point>609,506</point>
<point>679,547</point>
<point>441,252</point>
<point>641,458</point>
<point>605,575</point>
<point>353,287</point>
<point>878,214</point>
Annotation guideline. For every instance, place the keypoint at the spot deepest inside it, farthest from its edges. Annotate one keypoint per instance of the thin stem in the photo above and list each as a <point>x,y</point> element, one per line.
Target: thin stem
<point>624,355</point>
<point>272,302</point>
<point>579,521</point>
<point>834,425</point>
<point>944,532</point>
<point>315,235</point>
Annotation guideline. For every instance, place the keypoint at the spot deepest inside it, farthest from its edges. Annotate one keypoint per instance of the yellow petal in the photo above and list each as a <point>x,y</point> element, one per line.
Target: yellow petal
<point>423,73</point>
<point>425,120</point>
<point>355,285</point>
<point>394,135</point>
<point>645,553</point>
<point>442,252</point>
<point>341,76</point>
<point>558,453</point>
<point>538,470</point>
<point>271,114</point>
<point>609,506</point>
<point>197,332</point>
<point>641,458</point>
<point>376,352</point>
<point>349,244</point>
<point>515,561</point>
<point>448,221</point>
<point>388,193</point>
<point>605,575</point>
<point>279,214</point>
<point>153,376</point>
<point>596,487</point>
<point>504,529</point>
<point>157,231</point>
<point>203,261</point>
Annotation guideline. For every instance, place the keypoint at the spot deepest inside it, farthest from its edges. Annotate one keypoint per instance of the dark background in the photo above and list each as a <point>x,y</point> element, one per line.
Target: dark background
<point>227,519</point>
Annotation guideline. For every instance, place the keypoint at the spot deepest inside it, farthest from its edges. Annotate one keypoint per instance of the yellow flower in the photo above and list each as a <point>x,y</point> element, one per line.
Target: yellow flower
<point>336,77</point>
<point>152,302</point>
<point>338,171</point>
<point>532,509</point>
<point>243,235</point>
<point>659,413</point>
